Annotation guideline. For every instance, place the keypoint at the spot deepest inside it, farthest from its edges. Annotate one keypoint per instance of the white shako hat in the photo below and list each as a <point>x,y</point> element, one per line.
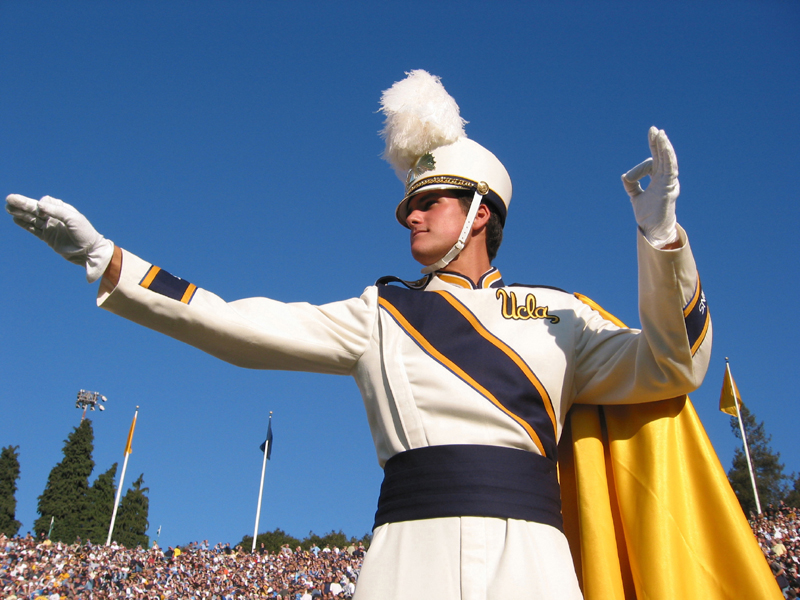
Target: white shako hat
<point>428,148</point>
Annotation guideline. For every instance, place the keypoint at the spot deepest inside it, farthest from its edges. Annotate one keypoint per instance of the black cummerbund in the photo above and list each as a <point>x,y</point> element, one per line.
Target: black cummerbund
<point>469,481</point>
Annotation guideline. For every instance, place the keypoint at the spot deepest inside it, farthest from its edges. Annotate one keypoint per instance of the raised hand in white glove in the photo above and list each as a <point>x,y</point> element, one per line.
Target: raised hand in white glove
<point>65,230</point>
<point>654,207</point>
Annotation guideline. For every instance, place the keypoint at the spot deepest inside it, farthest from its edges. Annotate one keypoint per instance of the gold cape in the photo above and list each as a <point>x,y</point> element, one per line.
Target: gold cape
<point>648,510</point>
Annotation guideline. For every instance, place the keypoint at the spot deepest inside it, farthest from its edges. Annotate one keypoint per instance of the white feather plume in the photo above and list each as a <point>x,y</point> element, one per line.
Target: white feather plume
<point>420,116</point>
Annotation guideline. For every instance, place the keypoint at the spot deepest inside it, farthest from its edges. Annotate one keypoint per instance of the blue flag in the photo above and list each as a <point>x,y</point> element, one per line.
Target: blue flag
<point>263,445</point>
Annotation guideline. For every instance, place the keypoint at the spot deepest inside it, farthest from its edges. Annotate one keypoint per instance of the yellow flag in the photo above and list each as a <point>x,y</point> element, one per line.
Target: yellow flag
<point>730,394</point>
<point>130,433</point>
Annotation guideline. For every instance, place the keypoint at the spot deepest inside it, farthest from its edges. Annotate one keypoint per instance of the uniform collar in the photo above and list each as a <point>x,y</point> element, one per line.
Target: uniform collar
<point>449,280</point>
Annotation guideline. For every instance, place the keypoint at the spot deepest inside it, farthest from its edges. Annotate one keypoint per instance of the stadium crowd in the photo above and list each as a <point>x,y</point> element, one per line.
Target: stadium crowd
<point>34,570</point>
<point>41,570</point>
<point>777,530</point>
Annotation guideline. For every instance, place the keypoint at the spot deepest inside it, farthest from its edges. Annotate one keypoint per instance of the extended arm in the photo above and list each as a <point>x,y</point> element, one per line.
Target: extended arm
<point>670,355</point>
<point>258,333</point>
<point>255,333</point>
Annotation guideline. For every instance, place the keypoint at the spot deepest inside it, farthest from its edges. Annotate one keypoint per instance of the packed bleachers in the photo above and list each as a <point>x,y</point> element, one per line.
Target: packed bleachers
<point>777,530</point>
<point>50,571</point>
<point>45,570</point>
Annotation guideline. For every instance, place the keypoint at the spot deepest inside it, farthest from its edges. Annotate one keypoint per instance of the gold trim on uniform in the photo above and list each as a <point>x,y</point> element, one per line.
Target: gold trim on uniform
<point>467,283</point>
<point>696,297</point>
<point>490,279</point>
<point>150,276</point>
<point>454,280</point>
<point>187,295</point>
<point>701,337</point>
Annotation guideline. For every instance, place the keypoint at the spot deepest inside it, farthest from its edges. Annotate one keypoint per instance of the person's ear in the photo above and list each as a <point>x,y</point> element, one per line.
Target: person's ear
<point>481,217</point>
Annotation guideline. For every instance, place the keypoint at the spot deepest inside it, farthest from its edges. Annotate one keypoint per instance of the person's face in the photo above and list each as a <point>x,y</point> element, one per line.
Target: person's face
<point>435,219</point>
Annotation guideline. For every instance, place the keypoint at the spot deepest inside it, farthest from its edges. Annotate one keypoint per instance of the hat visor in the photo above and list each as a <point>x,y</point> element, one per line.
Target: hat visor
<point>402,209</point>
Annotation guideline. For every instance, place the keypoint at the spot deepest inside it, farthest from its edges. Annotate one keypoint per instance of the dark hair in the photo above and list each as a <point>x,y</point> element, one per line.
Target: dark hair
<point>494,228</point>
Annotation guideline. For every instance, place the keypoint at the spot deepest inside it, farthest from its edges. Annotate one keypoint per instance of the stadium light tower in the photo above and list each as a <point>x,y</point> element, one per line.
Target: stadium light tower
<point>89,400</point>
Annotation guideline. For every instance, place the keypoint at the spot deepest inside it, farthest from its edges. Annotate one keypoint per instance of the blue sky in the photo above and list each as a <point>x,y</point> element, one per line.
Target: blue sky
<point>235,144</point>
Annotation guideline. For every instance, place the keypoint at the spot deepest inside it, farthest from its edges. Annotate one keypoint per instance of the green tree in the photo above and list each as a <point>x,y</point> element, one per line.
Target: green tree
<point>770,478</point>
<point>100,506</point>
<point>313,540</point>
<point>65,495</point>
<point>9,473</point>
<point>272,540</point>
<point>334,538</point>
<point>130,529</point>
<point>793,497</point>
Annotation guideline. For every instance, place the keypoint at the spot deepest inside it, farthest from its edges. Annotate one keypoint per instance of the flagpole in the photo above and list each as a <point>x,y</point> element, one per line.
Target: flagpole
<point>122,477</point>
<point>261,486</point>
<point>744,436</point>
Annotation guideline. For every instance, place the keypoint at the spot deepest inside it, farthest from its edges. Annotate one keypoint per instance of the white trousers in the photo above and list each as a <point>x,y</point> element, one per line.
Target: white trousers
<point>467,558</point>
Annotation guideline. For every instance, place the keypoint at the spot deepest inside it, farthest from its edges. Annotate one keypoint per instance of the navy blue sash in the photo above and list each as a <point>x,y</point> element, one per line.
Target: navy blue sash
<point>488,363</point>
<point>469,481</point>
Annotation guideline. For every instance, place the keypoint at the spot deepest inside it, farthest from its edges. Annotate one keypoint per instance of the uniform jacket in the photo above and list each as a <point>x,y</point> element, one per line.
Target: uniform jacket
<point>456,362</point>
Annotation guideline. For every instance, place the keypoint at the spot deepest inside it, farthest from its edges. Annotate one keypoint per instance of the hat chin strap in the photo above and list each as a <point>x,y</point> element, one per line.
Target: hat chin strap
<point>462,239</point>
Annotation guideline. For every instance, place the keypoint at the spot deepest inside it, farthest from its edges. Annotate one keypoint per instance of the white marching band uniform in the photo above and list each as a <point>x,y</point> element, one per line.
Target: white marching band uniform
<point>466,385</point>
<point>419,394</point>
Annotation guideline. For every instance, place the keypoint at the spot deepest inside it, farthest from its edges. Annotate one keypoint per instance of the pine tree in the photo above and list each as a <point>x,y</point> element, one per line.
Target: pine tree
<point>9,473</point>
<point>65,495</point>
<point>770,479</point>
<point>100,506</point>
<point>793,497</point>
<point>130,529</point>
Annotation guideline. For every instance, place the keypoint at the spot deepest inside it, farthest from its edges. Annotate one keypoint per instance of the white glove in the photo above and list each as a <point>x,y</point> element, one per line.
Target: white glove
<point>65,230</point>
<point>654,207</point>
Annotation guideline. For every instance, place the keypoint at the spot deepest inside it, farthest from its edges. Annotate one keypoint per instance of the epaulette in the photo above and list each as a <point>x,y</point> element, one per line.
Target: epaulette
<point>412,285</point>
